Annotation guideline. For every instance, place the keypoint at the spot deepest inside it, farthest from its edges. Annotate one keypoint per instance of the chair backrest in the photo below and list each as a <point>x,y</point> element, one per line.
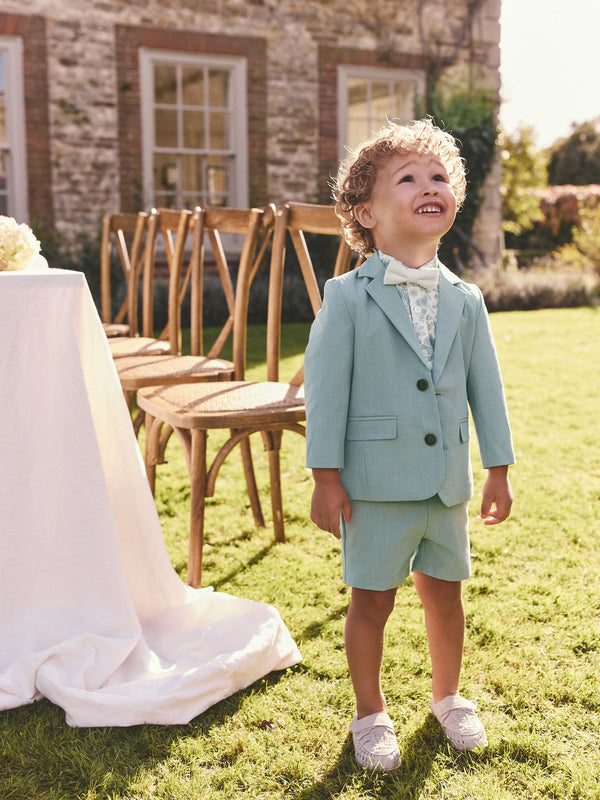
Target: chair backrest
<point>125,232</point>
<point>172,228</point>
<point>210,224</point>
<point>294,220</point>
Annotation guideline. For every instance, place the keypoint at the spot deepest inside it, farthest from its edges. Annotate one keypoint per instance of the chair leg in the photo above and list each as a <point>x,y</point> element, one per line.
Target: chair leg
<point>197,502</point>
<point>251,483</point>
<point>272,441</point>
<point>153,427</point>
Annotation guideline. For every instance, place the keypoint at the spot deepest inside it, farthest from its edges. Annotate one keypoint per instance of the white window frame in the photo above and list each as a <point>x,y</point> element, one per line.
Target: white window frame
<point>11,48</point>
<point>371,74</point>
<point>238,196</point>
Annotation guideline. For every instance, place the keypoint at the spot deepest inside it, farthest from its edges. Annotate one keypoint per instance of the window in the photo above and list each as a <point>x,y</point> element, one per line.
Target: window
<point>194,130</point>
<point>369,96</point>
<point>13,176</point>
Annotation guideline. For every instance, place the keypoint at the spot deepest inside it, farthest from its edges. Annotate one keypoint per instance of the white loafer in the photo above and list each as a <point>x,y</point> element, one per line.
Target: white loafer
<point>460,723</point>
<point>375,745</point>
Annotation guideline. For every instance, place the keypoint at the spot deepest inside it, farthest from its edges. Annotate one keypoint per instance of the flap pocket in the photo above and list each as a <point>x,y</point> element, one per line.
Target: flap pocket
<point>464,430</point>
<point>371,428</point>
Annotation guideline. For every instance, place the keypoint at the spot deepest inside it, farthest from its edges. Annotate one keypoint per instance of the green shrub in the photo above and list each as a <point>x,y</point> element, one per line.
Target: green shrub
<point>549,284</point>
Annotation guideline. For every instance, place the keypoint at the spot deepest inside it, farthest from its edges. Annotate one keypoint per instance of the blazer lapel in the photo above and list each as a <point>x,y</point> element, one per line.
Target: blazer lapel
<point>450,305</point>
<point>388,299</point>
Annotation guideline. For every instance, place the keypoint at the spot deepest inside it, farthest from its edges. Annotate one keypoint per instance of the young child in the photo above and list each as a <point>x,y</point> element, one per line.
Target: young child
<point>398,353</point>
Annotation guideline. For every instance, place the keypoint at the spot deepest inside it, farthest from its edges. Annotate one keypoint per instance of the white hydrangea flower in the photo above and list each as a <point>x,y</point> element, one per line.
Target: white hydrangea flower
<point>18,246</point>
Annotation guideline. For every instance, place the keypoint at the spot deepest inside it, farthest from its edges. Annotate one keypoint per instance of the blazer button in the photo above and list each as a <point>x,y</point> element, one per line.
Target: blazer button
<point>422,385</point>
<point>430,439</point>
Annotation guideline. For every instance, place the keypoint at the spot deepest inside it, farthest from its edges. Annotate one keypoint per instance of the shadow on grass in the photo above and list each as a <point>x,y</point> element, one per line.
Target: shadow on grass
<point>48,759</point>
<point>404,783</point>
<point>256,559</point>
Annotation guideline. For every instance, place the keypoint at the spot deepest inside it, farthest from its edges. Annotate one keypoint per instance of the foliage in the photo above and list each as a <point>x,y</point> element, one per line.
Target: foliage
<point>532,648</point>
<point>548,283</point>
<point>83,255</point>
<point>560,208</point>
<point>576,158</point>
<point>586,235</point>
<point>471,118</point>
<point>523,168</point>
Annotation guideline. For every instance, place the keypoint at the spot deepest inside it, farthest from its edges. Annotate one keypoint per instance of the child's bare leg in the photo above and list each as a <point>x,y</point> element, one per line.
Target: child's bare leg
<point>445,625</point>
<point>364,637</point>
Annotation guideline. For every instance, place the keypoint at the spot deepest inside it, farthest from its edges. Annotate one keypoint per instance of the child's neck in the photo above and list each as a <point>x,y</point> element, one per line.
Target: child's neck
<point>411,257</point>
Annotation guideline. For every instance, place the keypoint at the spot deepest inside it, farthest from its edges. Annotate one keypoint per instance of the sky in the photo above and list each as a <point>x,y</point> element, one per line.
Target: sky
<point>550,65</point>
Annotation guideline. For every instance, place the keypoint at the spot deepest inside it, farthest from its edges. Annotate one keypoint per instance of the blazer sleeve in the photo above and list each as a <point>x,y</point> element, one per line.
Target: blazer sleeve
<point>327,380</point>
<point>485,391</point>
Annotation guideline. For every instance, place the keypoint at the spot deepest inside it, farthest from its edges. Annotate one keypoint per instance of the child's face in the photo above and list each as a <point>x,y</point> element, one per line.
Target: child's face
<point>412,204</point>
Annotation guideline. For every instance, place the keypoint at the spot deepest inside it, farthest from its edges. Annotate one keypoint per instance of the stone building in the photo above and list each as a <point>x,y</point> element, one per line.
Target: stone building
<point>109,105</point>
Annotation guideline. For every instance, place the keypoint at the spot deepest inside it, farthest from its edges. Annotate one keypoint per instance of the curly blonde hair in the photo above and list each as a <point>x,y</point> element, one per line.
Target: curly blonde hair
<point>358,172</point>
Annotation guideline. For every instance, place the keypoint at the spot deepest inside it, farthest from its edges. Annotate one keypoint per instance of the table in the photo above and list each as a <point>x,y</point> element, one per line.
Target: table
<point>92,614</point>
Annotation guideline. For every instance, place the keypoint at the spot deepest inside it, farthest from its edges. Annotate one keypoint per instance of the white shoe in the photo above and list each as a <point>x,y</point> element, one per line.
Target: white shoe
<point>375,745</point>
<point>460,722</point>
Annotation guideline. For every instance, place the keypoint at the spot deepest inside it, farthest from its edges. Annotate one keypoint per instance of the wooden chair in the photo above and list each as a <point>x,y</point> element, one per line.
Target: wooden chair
<point>125,233</point>
<point>205,225</point>
<point>172,227</point>
<point>243,407</point>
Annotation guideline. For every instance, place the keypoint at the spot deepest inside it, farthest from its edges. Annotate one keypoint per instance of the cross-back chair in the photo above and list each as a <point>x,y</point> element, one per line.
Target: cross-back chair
<point>171,228</point>
<point>206,225</point>
<point>124,233</point>
<point>243,407</point>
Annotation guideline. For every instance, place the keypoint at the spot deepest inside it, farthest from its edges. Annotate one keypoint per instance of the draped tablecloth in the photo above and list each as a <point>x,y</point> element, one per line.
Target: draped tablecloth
<point>92,614</point>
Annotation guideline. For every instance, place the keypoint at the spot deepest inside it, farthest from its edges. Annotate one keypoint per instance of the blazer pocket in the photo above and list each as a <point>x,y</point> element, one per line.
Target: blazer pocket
<point>464,430</point>
<point>370,428</point>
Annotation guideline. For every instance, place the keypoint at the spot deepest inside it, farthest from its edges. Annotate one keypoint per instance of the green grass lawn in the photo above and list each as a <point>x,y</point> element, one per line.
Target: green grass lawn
<point>533,626</point>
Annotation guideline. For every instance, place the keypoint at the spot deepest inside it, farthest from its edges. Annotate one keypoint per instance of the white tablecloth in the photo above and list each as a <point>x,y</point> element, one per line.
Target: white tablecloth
<point>92,615</point>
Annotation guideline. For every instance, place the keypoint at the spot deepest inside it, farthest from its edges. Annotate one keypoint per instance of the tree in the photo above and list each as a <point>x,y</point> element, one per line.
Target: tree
<point>523,169</point>
<point>576,159</point>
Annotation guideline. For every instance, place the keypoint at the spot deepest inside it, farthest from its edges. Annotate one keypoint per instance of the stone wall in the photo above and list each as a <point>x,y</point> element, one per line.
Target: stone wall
<point>94,150</point>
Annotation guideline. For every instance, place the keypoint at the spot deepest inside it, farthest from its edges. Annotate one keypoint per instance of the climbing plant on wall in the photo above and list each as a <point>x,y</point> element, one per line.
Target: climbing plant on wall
<point>471,118</point>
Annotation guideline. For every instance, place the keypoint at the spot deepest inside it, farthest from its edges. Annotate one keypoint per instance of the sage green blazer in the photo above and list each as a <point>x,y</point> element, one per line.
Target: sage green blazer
<point>395,429</point>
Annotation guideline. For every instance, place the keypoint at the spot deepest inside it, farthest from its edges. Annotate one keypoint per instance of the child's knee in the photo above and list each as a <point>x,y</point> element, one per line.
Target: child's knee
<point>438,594</point>
<point>371,604</point>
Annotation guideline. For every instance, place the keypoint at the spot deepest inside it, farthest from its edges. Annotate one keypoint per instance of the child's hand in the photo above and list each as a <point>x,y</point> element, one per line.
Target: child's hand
<point>497,496</point>
<point>329,500</point>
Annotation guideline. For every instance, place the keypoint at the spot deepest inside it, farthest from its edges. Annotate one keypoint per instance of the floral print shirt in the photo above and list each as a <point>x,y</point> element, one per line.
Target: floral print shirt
<point>421,305</point>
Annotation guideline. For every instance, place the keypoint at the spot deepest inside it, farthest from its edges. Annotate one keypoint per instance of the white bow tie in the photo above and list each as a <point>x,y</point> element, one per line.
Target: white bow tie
<point>397,272</point>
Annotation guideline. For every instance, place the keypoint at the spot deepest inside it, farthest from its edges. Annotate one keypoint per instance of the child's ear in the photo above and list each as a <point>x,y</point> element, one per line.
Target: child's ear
<point>364,216</point>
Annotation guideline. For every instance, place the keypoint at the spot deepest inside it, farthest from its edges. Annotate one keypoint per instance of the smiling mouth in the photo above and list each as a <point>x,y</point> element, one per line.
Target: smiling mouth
<point>430,209</point>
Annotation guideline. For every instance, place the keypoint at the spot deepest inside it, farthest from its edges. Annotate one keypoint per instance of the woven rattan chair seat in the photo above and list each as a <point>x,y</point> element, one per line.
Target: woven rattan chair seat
<point>226,404</point>
<point>135,372</point>
<point>115,329</point>
<point>137,346</point>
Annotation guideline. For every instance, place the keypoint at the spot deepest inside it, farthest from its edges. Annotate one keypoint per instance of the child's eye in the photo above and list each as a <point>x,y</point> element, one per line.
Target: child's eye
<point>440,177</point>
<point>406,179</point>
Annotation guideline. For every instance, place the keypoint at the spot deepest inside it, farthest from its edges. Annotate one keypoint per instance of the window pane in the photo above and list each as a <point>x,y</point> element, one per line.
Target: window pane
<point>358,131</point>
<point>193,129</point>
<point>192,86</point>
<point>217,182</point>
<point>218,131</point>
<point>191,174</point>
<point>3,134</point>
<point>357,97</point>
<point>163,200</point>
<point>381,106</point>
<point>165,84</point>
<point>218,88</point>
<point>404,100</point>
<point>165,122</point>
<point>166,172</point>
<point>3,181</point>
<point>193,112</point>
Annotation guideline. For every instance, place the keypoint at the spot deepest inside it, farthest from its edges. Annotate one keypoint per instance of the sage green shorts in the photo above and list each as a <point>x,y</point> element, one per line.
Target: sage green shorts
<point>383,542</point>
